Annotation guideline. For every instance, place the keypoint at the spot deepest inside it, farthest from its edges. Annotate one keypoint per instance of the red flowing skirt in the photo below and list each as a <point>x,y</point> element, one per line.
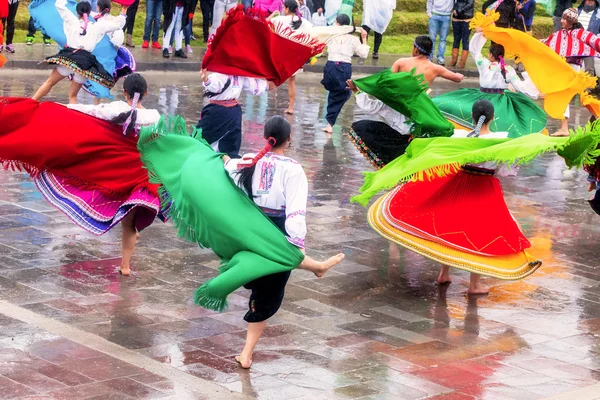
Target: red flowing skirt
<point>465,211</point>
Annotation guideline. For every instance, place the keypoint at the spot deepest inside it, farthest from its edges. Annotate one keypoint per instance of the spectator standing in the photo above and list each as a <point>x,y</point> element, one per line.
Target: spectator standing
<point>525,13</point>
<point>175,18</point>
<point>318,18</point>
<point>187,33</point>
<point>128,28</point>
<point>561,6</point>
<point>206,6</point>
<point>461,16</point>
<point>507,10</point>
<point>31,30</point>
<point>590,20</point>
<point>377,16</point>
<point>439,12</point>
<point>8,25</point>
<point>154,9</point>
<point>304,10</point>
<point>220,9</point>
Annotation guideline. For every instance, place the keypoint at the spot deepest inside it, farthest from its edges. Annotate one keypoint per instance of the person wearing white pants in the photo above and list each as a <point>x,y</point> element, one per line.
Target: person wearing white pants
<point>176,16</point>
<point>221,7</point>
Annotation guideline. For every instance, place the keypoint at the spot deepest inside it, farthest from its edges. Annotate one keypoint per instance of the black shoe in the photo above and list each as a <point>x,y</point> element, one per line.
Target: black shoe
<point>166,53</point>
<point>180,54</point>
<point>375,56</point>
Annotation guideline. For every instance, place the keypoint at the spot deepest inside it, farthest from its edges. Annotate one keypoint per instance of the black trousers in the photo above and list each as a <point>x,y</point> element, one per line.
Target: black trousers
<point>31,29</point>
<point>131,13</point>
<point>378,38</point>
<point>9,22</point>
<point>207,16</point>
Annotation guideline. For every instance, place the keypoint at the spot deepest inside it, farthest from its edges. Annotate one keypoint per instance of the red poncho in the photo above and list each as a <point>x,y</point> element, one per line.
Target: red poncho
<point>50,137</point>
<point>246,44</point>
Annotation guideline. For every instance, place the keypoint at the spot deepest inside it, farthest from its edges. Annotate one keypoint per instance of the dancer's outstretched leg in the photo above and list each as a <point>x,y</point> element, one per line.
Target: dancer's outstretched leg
<point>128,239</point>
<point>255,330</point>
<point>52,80</point>
<point>320,268</point>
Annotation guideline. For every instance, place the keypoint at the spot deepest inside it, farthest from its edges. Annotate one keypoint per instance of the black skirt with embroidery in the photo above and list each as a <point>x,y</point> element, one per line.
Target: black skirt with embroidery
<point>378,142</point>
<point>84,63</point>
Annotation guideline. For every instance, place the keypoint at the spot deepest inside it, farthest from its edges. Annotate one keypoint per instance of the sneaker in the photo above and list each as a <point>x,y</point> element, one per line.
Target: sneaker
<point>29,40</point>
<point>166,53</point>
<point>192,37</point>
<point>441,62</point>
<point>156,45</point>
<point>180,54</point>
<point>375,56</point>
<point>145,45</point>
<point>188,49</point>
<point>47,42</point>
<point>10,48</point>
<point>170,50</point>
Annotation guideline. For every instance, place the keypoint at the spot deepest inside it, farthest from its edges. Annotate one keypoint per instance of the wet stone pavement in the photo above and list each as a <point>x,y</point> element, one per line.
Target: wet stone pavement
<point>376,327</point>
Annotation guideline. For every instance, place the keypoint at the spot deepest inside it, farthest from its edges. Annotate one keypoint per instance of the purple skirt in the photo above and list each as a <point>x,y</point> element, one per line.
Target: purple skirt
<point>124,63</point>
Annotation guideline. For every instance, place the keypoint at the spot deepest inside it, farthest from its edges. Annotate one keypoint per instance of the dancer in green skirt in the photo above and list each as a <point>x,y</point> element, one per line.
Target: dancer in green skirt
<point>515,113</point>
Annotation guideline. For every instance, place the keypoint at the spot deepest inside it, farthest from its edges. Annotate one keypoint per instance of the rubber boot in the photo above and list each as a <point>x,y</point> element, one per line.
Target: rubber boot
<point>463,59</point>
<point>454,57</point>
<point>129,41</point>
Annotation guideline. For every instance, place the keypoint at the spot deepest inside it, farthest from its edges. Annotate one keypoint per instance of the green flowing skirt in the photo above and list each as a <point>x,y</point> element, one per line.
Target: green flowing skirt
<point>514,112</point>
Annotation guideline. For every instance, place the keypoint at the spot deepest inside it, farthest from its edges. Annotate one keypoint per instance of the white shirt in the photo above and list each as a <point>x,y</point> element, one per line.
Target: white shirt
<point>490,73</point>
<point>342,48</point>
<point>390,116</point>
<point>117,38</point>
<point>109,111</point>
<point>585,18</point>
<point>279,183</point>
<point>319,20</point>
<point>73,28</point>
<point>216,82</point>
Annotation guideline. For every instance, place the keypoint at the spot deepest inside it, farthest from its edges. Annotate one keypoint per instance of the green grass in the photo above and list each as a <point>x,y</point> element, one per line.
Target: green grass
<point>409,21</point>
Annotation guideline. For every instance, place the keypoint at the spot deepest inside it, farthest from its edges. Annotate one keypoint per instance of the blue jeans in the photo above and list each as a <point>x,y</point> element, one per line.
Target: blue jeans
<point>247,3</point>
<point>439,24</point>
<point>187,32</point>
<point>154,10</point>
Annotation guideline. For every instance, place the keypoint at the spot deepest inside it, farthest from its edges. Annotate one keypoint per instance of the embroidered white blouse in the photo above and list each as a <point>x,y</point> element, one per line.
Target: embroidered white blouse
<point>73,28</point>
<point>216,82</point>
<point>117,37</point>
<point>108,111</point>
<point>342,48</point>
<point>390,116</point>
<point>279,184</point>
<point>490,74</point>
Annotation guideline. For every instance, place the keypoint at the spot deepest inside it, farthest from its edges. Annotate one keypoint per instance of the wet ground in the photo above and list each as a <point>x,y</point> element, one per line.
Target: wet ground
<point>376,327</point>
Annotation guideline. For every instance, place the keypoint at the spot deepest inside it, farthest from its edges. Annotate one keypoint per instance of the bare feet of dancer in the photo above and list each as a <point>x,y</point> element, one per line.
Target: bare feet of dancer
<point>444,276</point>
<point>328,129</point>
<point>289,111</point>
<point>320,268</point>
<point>255,330</point>
<point>560,133</point>
<point>475,286</point>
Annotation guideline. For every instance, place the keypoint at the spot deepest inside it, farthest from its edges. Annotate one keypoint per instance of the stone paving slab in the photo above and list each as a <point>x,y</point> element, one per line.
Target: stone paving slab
<point>376,327</point>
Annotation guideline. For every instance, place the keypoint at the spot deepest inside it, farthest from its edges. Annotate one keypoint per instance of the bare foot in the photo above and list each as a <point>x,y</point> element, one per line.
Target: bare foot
<point>243,361</point>
<point>478,290</point>
<point>137,236</point>
<point>444,276</point>
<point>328,264</point>
<point>327,129</point>
<point>289,111</point>
<point>592,187</point>
<point>125,271</point>
<point>560,133</point>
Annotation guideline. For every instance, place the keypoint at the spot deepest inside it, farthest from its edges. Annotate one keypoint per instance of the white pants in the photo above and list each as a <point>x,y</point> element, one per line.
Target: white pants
<point>220,8</point>
<point>567,113</point>
<point>66,72</point>
<point>176,28</point>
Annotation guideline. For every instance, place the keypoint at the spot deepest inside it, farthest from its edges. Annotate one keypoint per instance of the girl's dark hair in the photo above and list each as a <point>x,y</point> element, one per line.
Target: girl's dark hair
<point>134,84</point>
<point>576,25</point>
<point>292,5</point>
<point>343,19</point>
<point>482,108</point>
<point>104,7</point>
<point>424,45</point>
<point>497,51</point>
<point>83,9</point>
<point>277,132</point>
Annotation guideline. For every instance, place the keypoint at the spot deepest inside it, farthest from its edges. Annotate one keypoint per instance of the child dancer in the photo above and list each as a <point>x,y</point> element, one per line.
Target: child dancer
<point>338,69</point>
<point>76,59</point>
<point>221,119</point>
<point>281,191</point>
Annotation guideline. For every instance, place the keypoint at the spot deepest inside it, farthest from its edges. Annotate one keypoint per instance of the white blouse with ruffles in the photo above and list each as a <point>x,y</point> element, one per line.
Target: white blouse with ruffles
<point>279,184</point>
<point>109,111</point>
<point>216,82</point>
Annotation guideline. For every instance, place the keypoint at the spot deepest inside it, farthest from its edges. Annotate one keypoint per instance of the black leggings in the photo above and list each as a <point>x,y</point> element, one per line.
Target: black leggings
<point>9,22</point>
<point>378,38</point>
<point>461,32</point>
<point>31,29</point>
<point>207,16</point>
<point>130,21</point>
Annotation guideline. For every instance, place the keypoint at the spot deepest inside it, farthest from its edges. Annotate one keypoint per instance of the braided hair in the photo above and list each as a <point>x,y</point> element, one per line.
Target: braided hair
<point>83,9</point>
<point>277,132</point>
<point>135,86</point>
<point>103,8</point>
<point>497,51</point>
<point>292,5</point>
<point>482,113</point>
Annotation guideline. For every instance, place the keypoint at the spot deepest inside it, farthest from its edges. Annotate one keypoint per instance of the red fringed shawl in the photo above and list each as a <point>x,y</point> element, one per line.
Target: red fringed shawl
<point>246,44</point>
<point>50,137</point>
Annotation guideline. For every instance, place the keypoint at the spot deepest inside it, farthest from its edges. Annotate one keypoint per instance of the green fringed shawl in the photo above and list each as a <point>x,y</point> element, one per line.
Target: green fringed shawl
<point>209,209</point>
<point>438,157</point>
<point>405,92</point>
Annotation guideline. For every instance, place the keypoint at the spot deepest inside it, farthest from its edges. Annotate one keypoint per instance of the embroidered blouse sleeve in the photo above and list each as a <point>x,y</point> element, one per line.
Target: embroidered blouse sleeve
<point>367,104</point>
<point>361,50</point>
<point>66,14</point>
<point>105,25</point>
<point>105,112</point>
<point>475,46</point>
<point>296,196</point>
<point>255,86</point>
<point>215,82</point>
<point>525,86</point>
